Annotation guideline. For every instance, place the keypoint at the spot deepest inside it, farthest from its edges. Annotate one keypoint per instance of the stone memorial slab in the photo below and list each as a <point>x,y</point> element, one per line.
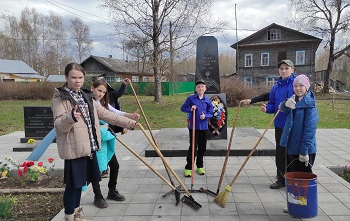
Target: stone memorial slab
<point>38,121</point>
<point>207,63</point>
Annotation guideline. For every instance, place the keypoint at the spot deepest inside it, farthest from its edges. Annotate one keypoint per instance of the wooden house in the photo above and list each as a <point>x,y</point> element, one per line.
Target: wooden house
<point>259,54</point>
<point>114,70</point>
<point>18,71</point>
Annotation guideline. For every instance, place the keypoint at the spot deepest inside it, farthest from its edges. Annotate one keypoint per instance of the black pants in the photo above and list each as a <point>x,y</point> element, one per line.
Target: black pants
<point>294,165</point>
<point>71,199</point>
<point>199,150</point>
<point>280,156</point>
<point>113,176</point>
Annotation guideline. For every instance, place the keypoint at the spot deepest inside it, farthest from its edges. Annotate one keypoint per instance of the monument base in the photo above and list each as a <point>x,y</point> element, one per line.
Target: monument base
<point>23,149</point>
<point>25,139</point>
<point>174,142</point>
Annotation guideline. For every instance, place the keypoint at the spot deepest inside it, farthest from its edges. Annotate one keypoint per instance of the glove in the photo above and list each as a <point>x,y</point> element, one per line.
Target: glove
<point>304,158</point>
<point>290,102</point>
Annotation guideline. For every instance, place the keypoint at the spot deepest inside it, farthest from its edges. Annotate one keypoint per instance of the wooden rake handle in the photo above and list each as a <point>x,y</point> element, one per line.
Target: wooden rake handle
<point>148,126</point>
<point>193,143</point>
<point>142,112</point>
<point>145,162</point>
<point>164,160</point>
<point>252,151</point>
<point>229,147</point>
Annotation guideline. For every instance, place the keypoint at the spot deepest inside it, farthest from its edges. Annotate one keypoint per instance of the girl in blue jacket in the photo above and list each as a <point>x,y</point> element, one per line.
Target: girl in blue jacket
<point>299,133</point>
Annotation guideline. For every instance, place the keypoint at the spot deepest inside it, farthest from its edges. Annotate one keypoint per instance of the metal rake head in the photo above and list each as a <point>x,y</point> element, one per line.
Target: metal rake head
<point>188,200</point>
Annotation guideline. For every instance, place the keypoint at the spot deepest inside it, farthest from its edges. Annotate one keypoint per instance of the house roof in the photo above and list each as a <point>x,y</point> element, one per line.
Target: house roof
<point>16,67</point>
<point>115,65</point>
<point>56,78</point>
<point>36,76</point>
<point>298,37</point>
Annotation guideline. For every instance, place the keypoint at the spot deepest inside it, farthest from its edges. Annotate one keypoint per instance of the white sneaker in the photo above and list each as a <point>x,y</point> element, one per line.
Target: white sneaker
<point>285,209</point>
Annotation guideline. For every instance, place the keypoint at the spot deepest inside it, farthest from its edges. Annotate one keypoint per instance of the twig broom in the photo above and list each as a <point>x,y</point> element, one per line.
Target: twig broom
<point>222,197</point>
<point>228,149</point>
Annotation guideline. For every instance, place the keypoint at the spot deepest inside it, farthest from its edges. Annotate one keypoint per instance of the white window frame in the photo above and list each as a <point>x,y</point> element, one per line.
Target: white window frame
<point>118,79</point>
<point>248,60</point>
<point>273,34</point>
<point>110,79</point>
<point>300,57</point>
<point>135,78</point>
<point>271,80</point>
<point>248,81</point>
<point>144,79</point>
<point>265,59</point>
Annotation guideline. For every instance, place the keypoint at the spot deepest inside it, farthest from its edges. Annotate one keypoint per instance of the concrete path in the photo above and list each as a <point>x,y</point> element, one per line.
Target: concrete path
<point>250,198</point>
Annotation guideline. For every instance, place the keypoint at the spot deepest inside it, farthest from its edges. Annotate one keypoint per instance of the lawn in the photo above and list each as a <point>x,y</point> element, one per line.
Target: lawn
<point>167,114</point>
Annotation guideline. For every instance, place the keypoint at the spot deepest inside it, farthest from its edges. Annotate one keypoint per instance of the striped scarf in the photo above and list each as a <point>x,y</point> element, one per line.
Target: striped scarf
<point>84,109</point>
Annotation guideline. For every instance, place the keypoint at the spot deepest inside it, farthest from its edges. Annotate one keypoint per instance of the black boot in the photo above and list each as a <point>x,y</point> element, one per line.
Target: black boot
<point>100,202</point>
<point>114,195</point>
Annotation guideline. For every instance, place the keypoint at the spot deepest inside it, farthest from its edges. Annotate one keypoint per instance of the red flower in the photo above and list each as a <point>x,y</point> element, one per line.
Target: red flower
<point>40,164</point>
<point>23,164</point>
<point>19,172</point>
<point>25,169</point>
<point>30,163</point>
<point>50,160</point>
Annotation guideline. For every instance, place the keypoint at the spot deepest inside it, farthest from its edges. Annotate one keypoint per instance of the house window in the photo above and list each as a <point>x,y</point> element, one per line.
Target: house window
<point>248,81</point>
<point>118,79</point>
<point>144,79</point>
<point>273,34</point>
<point>271,80</point>
<point>135,78</point>
<point>265,59</point>
<point>109,79</point>
<point>248,60</point>
<point>300,57</point>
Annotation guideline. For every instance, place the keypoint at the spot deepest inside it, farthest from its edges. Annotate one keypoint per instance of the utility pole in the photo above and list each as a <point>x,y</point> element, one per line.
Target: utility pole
<point>171,60</point>
<point>237,52</point>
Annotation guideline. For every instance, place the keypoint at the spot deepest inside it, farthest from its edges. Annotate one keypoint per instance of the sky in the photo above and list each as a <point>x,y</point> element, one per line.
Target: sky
<point>252,15</point>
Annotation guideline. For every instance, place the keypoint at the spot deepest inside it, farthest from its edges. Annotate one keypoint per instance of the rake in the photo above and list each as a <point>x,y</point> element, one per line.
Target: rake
<point>177,193</point>
<point>221,198</point>
<point>149,127</point>
<point>188,200</point>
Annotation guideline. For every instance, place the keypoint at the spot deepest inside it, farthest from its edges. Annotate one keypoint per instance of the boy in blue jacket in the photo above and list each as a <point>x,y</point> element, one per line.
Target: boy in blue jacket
<point>282,90</point>
<point>204,110</point>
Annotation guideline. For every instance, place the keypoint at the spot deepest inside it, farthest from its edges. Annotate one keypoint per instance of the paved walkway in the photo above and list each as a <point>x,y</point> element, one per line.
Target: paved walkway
<point>250,199</point>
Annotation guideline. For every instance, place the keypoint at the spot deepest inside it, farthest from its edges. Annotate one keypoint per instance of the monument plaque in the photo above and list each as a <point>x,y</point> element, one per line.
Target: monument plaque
<point>207,63</point>
<point>38,122</point>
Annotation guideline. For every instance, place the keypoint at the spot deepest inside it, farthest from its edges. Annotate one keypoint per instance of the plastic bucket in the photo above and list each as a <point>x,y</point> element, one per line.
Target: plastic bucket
<point>301,194</point>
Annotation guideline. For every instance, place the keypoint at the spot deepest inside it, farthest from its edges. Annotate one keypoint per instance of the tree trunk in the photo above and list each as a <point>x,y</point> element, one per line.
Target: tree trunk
<point>156,52</point>
<point>327,75</point>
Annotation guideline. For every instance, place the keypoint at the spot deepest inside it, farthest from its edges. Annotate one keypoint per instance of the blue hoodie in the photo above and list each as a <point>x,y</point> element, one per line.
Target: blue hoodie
<point>282,90</point>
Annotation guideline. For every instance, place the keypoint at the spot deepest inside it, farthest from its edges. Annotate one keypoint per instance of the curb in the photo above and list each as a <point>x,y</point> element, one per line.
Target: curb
<point>43,190</point>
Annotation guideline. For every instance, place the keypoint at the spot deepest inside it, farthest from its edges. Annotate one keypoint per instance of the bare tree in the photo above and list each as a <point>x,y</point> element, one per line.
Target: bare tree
<point>82,41</point>
<point>150,18</point>
<point>328,18</point>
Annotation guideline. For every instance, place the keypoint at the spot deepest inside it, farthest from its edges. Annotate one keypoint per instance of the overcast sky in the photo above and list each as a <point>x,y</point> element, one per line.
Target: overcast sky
<point>252,15</point>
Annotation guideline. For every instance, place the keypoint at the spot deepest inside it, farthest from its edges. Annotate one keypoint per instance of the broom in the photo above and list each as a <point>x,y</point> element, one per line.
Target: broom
<point>228,149</point>
<point>221,198</point>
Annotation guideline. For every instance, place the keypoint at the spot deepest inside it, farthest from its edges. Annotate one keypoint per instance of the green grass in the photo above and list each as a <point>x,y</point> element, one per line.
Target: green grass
<point>168,115</point>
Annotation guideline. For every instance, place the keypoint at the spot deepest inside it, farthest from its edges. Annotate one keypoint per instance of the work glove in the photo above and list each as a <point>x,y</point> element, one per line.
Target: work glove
<point>290,102</point>
<point>305,159</point>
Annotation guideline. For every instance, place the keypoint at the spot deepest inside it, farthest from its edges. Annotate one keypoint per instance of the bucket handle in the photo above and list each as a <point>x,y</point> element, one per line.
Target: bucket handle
<point>306,164</point>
